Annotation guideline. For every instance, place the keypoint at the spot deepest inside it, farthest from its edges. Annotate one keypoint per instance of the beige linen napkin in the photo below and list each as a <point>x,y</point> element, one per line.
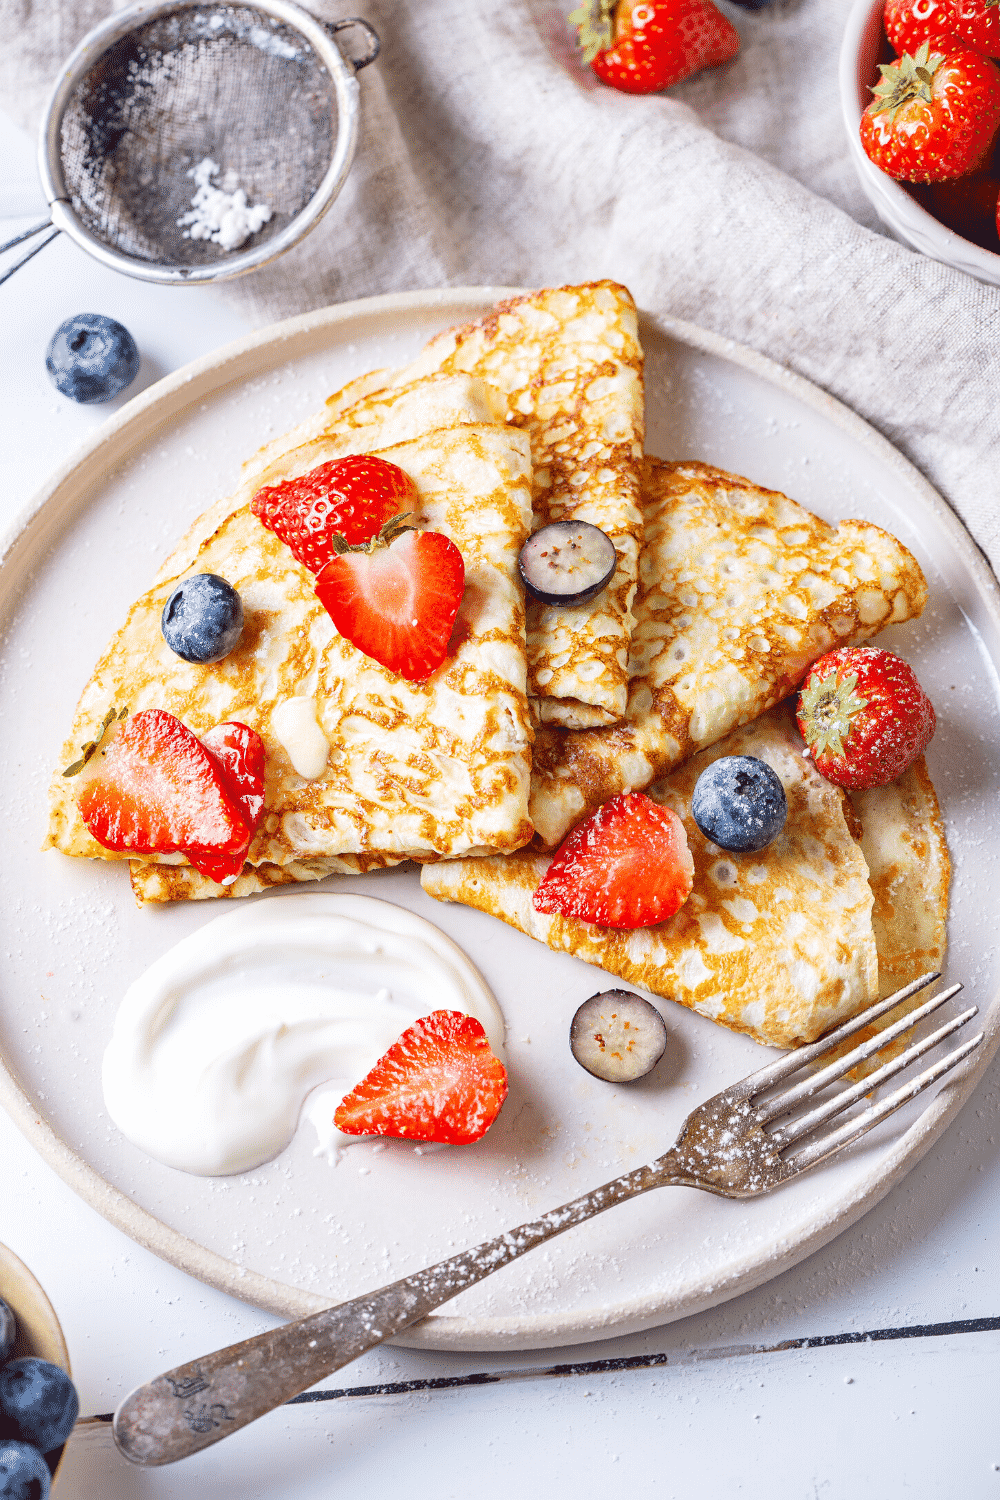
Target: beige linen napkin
<point>490,156</point>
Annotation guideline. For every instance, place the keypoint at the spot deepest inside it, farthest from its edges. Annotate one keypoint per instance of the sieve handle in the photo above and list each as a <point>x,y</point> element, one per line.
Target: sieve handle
<point>27,234</point>
<point>374,44</point>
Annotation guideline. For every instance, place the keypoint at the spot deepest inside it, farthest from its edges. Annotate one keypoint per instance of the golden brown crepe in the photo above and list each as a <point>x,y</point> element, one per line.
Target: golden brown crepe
<point>778,944</point>
<point>415,770</point>
<point>740,590</point>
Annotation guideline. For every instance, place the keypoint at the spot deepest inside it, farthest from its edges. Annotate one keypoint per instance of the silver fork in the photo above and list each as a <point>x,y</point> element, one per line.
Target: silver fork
<point>730,1145</point>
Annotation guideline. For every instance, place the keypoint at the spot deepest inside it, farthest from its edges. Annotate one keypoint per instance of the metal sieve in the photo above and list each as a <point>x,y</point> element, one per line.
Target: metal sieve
<point>261,90</point>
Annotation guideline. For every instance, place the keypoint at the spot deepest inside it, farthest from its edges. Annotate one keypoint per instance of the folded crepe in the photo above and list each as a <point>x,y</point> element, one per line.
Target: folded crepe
<point>782,943</point>
<point>740,589</point>
<point>568,366</point>
<point>415,770</point>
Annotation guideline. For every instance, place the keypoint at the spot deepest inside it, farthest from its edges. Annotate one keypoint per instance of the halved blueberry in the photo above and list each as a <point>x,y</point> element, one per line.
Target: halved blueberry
<point>569,562</point>
<point>739,803</point>
<point>617,1036</point>
<point>202,621</point>
<point>92,358</point>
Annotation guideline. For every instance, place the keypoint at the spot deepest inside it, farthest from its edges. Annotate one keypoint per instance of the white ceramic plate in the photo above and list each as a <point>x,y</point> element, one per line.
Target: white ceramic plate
<point>297,1233</point>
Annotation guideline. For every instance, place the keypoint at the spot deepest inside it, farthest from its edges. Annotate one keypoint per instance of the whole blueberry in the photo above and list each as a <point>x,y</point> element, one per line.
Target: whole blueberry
<point>24,1474</point>
<point>40,1400</point>
<point>203,618</point>
<point>92,358</point>
<point>739,803</point>
<point>8,1331</point>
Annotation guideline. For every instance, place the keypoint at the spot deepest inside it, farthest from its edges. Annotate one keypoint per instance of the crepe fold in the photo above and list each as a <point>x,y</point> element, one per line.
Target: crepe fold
<point>740,589</point>
<point>780,944</point>
<point>567,366</point>
<point>415,770</point>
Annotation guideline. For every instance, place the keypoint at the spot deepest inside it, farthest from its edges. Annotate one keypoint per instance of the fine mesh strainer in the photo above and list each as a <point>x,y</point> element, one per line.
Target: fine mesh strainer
<point>261,91</point>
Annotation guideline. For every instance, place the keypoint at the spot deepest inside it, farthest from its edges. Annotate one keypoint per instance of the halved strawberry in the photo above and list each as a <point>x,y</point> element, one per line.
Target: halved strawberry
<point>352,497</point>
<point>627,865</point>
<point>153,788</point>
<point>397,598</point>
<point>239,752</point>
<point>439,1082</point>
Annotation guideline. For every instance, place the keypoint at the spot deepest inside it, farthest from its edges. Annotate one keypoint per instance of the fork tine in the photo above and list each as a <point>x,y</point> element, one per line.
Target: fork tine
<point>805,1124</point>
<point>814,1083</point>
<point>774,1072</point>
<point>819,1150</point>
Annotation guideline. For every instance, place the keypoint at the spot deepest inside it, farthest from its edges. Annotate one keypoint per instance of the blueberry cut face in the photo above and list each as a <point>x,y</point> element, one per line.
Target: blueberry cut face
<point>40,1400</point>
<point>739,803</point>
<point>202,621</point>
<point>568,562</point>
<point>617,1036</point>
<point>24,1474</point>
<point>92,358</point>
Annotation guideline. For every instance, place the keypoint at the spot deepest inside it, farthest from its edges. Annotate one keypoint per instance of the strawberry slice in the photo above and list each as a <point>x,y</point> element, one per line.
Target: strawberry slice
<point>155,789</point>
<point>239,753</point>
<point>397,598</point>
<point>439,1082</point>
<point>352,497</point>
<point>627,865</point>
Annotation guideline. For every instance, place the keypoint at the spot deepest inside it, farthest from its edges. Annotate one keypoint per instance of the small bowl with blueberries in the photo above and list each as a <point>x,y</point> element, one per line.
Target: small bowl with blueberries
<point>38,1401</point>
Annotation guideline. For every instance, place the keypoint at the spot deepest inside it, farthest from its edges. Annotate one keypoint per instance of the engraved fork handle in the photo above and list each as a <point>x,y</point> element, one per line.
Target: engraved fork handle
<point>205,1400</point>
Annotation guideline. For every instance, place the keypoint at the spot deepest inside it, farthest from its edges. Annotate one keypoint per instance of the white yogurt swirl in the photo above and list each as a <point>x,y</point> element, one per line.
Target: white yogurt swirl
<point>217,1045</point>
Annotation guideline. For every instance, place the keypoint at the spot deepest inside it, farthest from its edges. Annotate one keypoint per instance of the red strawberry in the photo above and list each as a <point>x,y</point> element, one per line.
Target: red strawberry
<point>977,23</point>
<point>153,788</point>
<point>397,598</point>
<point>352,496</point>
<point>653,43</point>
<point>439,1082</point>
<point>933,116</point>
<point>627,865</point>
<point>864,716</point>
<point>239,754</point>
<point>910,22</point>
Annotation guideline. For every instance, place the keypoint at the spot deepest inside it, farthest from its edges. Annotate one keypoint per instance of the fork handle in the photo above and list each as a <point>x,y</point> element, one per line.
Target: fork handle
<point>201,1402</point>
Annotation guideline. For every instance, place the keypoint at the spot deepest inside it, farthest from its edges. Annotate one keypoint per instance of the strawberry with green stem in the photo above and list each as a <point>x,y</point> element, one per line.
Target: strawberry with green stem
<point>864,716</point>
<point>642,46</point>
<point>352,497</point>
<point>934,116</point>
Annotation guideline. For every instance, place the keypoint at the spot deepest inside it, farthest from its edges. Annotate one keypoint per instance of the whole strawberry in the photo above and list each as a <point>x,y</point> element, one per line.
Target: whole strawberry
<point>864,716</point>
<point>977,23</point>
<point>910,22</point>
<point>934,116</point>
<point>646,46</point>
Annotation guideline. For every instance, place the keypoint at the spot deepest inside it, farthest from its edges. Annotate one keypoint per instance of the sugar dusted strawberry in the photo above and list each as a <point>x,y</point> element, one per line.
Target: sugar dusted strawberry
<point>627,865</point>
<point>934,116</point>
<point>439,1082</point>
<point>153,788</point>
<point>396,598</point>
<point>864,716</point>
<point>240,755</point>
<point>352,497</point>
<point>644,47</point>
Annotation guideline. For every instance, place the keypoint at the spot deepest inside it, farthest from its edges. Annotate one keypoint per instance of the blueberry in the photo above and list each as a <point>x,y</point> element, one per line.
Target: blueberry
<point>24,1474</point>
<point>203,618</point>
<point>739,803</point>
<point>92,358</point>
<point>41,1401</point>
<point>8,1331</point>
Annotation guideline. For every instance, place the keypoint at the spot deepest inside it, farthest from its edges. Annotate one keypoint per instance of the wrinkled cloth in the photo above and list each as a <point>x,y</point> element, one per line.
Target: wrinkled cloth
<point>491,156</point>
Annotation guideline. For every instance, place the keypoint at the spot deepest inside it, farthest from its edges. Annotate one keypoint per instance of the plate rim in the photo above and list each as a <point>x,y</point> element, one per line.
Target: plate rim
<point>112,443</point>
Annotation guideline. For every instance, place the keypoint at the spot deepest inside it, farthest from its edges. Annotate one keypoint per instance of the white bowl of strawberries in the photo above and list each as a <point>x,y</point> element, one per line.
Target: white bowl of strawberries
<point>925,146</point>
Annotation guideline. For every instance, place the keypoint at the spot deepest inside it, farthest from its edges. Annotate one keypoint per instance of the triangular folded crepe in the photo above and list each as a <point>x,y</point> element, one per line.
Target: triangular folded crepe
<point>777,944</point>
<point>414,770</point>
<point>740,589</point>
<point>568,364</point>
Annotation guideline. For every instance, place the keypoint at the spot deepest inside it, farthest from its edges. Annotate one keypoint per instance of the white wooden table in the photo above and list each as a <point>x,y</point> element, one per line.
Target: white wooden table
<point>867,1370</point>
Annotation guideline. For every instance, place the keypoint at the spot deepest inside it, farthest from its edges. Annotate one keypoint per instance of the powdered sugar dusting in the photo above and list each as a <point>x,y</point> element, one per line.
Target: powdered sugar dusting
<point>221,213</point>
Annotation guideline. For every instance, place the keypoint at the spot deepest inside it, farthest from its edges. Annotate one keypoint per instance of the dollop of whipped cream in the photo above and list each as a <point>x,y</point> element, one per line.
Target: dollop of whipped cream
<point>217,1045</point>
